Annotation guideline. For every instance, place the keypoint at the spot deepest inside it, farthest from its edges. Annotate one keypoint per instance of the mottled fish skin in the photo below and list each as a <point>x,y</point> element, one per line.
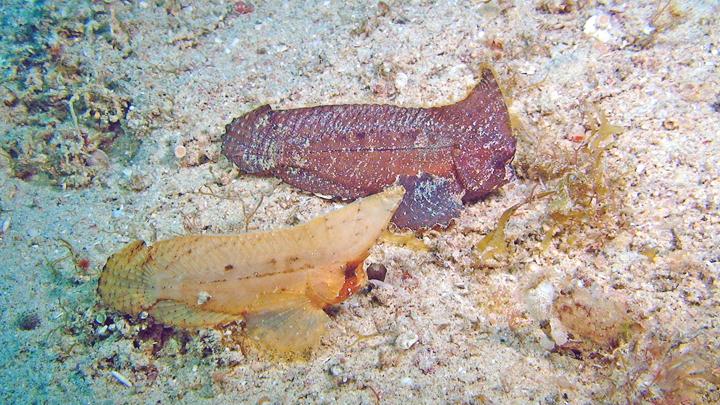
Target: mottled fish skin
<point>462,150</point>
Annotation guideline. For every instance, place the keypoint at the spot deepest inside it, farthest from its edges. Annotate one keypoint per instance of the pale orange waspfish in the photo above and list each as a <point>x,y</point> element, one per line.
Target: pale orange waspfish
<point>278,282</point>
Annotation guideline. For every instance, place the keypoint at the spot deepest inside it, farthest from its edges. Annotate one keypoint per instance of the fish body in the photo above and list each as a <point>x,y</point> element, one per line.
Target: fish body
<point>444,156</point>
<point>278,281</point>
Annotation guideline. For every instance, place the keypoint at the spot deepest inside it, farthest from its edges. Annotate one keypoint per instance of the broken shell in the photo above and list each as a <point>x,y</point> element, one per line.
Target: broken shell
<point>5,226</point>
<point>121,379</point>
<point>406,340</point>
<point>102,331</point>
<point>98,159</point>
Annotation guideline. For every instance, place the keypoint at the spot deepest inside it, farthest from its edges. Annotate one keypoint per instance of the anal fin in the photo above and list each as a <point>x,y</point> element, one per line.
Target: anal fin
<point>289,330</point>
<point>180,314</point>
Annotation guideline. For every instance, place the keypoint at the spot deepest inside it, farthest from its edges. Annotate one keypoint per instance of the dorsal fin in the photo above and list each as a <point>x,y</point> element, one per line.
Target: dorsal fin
<point>483,108</point>
<point>485,95</point>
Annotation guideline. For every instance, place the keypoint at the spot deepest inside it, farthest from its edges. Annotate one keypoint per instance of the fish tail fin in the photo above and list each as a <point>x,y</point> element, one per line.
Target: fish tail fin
<point>126,281</point>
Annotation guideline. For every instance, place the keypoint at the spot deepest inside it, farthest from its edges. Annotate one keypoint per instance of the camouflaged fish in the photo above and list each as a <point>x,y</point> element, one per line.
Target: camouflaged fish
<point>444,156</point>
<point>278,282</point>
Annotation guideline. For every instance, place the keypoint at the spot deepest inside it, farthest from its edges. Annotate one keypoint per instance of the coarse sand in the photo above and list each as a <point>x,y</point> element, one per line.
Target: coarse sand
<point>620,307</point>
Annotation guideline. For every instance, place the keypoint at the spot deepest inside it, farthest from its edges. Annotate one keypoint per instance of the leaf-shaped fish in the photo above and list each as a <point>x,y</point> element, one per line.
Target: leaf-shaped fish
<point>444,156</point>
<point>277,281</point>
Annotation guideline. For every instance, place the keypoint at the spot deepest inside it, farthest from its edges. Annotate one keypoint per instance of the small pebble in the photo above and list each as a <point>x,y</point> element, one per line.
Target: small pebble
<point>180,151</point>
<point>407,381</point>
<point>558,332</point>
<point>376,271</point>
<point>102,331</point>
<point>670,124</point>
<point>122,327</point>
<point>539,300</point>
<point>100,318</point>
<point>339,375</point>
<point>401,80</point>
<point>336,370</point>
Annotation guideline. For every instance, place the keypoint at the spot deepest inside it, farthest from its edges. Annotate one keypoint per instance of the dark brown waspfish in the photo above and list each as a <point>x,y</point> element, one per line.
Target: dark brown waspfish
<point>444,156</point>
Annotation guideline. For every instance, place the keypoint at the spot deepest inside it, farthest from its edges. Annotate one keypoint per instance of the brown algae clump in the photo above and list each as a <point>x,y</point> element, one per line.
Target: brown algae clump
<point>582,196</point>
<point>658,370</point>
<point>406,239</point>
<point>278,282</point>
<point>493,245</point>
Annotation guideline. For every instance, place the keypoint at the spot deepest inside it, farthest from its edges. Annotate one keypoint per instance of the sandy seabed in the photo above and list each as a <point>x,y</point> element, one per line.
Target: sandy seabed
<point>623,311</point>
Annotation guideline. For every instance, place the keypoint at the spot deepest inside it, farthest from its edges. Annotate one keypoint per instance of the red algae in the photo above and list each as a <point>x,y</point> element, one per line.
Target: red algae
<point>444,156</point>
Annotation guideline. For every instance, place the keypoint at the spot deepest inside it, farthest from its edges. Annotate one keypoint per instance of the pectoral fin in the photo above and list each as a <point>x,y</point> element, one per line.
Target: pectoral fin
<point>289,330</point>
<point>429,201</point>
